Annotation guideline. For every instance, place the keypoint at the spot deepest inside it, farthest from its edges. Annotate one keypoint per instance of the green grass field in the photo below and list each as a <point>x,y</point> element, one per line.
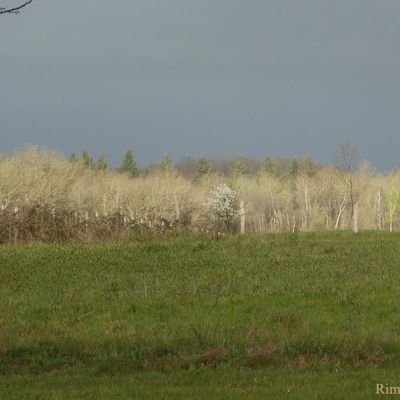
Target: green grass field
<point>301,316</point>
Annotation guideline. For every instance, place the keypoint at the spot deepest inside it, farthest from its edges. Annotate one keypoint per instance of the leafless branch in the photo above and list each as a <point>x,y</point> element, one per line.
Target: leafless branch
<point>347,159</point>
<point>15,10</point>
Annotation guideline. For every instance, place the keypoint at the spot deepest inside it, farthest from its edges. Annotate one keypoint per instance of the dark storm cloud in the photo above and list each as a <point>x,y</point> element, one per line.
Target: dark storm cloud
<point>217,77</point>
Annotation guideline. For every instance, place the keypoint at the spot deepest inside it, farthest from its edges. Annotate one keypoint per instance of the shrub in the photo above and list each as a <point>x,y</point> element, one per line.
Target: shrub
<point>223,207</point>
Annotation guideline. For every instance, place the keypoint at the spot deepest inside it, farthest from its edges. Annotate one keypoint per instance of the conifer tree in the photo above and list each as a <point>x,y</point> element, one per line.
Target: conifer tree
<point>308,167</point>
<point>102,163</point>
<point>87,159</point>
<point>128,165</point>
<point>202,168</point>
<point>238,167</point>
<point>294,168</point>
<point>73,158</point>
<point>270,167</point>
<point>166,164</point>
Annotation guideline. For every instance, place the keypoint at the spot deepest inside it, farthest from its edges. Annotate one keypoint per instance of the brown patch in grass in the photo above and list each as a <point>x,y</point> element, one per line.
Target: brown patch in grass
<point>215,357</point>
<point>261,357</point>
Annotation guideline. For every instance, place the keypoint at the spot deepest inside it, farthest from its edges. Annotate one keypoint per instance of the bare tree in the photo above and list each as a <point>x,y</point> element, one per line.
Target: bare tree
<point>347,163</point>
<point>392,197</point>
<point>16,9</point>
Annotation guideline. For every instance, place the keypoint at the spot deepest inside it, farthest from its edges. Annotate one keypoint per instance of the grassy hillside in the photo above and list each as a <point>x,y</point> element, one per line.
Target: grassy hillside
<point>272,316</point>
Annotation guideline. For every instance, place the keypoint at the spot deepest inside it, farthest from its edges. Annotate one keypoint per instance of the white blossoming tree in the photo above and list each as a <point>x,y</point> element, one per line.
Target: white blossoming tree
<point>223,207</point>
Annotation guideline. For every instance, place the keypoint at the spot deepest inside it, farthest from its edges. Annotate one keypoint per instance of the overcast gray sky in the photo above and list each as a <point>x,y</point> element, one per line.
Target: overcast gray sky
<point>203,77</point>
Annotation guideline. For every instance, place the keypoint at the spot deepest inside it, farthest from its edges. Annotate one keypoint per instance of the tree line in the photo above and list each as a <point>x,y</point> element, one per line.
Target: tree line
<point>197,168</point>
<point>44,196</point>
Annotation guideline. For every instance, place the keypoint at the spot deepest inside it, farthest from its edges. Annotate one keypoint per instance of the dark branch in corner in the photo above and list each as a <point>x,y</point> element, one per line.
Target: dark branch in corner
<point>14,10</point>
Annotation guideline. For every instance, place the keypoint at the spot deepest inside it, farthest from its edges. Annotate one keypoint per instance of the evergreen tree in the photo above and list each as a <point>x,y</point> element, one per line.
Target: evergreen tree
<point>308,167</point>
<point>101,163</point>
<point>203,167</point>
<point>166,164</point>
<point>294,168</point>
<point>238,167</point>
<point>270,167</point>
<point>128,165</point>
<point>87,159</point>
<point>73,158</point>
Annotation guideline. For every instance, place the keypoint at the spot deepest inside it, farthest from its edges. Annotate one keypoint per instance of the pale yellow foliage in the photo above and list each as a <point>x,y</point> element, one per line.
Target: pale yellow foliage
<point>42,177</point>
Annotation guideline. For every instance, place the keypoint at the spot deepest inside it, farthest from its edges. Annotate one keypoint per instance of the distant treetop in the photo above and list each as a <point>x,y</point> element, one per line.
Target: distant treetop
<point>203,168</point>
<point>128,165</point>
<point>238,167</point>
<point>102,163</point>
<point>166,164</point>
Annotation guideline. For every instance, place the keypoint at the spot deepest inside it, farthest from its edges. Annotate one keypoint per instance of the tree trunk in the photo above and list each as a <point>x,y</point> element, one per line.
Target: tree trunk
<point>355,217</point>
<point>306,205</point>
<point>177,208</point>
<point>341,209</point>
<point>379,207</point>
<point>242,218</point>
<point>391,214</point>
